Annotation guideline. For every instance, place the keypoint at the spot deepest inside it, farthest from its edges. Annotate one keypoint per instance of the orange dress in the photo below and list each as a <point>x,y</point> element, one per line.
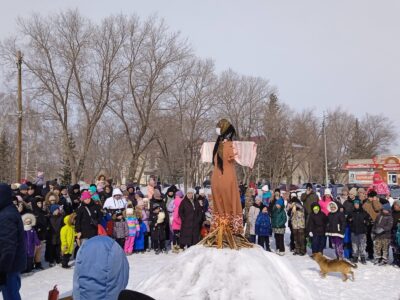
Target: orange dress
<point>225,192</point>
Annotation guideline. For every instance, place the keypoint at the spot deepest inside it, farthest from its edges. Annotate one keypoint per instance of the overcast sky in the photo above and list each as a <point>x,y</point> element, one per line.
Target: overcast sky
<point>319,54</point>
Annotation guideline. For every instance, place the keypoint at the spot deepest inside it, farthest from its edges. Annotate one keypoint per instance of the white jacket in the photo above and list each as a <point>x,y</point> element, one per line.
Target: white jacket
<point>112,203</point>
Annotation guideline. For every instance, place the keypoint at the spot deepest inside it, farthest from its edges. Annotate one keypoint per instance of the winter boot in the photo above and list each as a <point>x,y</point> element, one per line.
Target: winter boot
<point>354,260</point>
<point>38,266</point>
<point>158,251</point>
<point>383,262</point>
<point>377,261</point>
<point>363,260</point>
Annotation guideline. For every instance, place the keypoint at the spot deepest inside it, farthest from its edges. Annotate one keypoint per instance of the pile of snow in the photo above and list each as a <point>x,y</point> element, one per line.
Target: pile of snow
<point>208,273</point>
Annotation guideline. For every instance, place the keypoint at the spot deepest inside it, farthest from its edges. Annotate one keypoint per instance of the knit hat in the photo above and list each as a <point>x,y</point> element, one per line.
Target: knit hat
<point>353,191</point>
<point>280,202</point>
<point>386,206</point>
<point>86,195</point>
<point>157,194</point>
<point>356,201</point>
<point>372,194</point>
<point>129,211</point>
<point>92,189</point>
<point>193,191</point>
<point>155,206</point>
<point>23,187</point>
<point>179,194</point>
<point>54,207</point>
<point>328,192</point>
<point>265,188</point>
<point>309,185</point>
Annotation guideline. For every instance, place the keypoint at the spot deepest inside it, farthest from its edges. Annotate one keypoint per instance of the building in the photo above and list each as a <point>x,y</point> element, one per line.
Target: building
<point>361,171</point>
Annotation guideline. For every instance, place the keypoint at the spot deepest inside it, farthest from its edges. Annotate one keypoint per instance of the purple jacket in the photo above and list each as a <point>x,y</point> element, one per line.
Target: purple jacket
<point>31,241</point>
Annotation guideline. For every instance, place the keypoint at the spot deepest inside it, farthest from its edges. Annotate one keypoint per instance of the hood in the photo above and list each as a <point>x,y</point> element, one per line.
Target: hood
<point>334,208</point>
<point>68,220</point>
<point>5,195</point>
<point>29,216</point>
<point>116,191</point>
<point>93,280</point>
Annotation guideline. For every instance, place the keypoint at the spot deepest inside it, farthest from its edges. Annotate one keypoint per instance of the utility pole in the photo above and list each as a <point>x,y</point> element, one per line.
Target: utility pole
<point>19,114</point>
<point>326,155</point>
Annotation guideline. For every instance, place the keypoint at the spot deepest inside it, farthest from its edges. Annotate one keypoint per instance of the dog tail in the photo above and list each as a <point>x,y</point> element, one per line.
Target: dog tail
<point>351,264</point>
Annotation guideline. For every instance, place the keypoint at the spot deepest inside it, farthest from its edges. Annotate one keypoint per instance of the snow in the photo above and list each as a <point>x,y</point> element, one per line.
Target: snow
<point>202,273</point>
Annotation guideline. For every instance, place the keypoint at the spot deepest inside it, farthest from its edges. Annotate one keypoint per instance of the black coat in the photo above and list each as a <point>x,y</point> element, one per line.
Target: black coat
<point>163,206</point>
<point>192,217</point>
<point>55,224</point>
<point>12,240</point>
<point>75,198</point>
<point>348,206</point>
<point>358,221</point>
<point>336,224</point>
<point>158,231</point>
<point>42,223</point>
<point>317,222</point>
<point>86,224</point>
<point>396,219</point>
<point>67,207</point>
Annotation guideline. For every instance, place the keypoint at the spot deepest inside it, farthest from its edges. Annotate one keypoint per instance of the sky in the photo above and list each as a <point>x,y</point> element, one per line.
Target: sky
<point>319,54</point>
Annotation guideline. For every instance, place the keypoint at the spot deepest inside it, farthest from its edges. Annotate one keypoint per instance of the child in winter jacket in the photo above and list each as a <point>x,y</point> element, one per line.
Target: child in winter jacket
<point>67,236</point>
<point>31,239</point>
<point>158,225</point>
<point>176,221</point>
<point>254,211</point>
<point>120,229</point>
<point>335,228</point>
<point>296,213</point>
<point>53,243</point>
<point>358,220</point>
<point>263,228</point>
<point>316,228</point>
<point>133,230</point>
<point>139,240</point>
<point>381,235</point>
<point>279,219</point>
<point>266,195</point>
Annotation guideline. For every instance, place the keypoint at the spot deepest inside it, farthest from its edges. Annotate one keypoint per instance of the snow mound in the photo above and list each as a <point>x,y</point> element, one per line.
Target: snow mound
<point>208,273</point>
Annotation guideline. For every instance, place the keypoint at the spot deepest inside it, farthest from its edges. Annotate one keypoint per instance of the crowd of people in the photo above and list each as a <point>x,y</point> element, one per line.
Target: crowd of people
<point>57,220</point>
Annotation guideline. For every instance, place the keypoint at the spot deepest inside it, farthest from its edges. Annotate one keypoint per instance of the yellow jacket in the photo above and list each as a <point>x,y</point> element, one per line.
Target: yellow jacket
<point>67,235</point>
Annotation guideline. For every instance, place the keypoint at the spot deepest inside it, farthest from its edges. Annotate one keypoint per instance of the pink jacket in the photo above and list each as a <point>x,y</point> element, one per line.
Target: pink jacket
<point>176,222</point>
<point>324,204</point>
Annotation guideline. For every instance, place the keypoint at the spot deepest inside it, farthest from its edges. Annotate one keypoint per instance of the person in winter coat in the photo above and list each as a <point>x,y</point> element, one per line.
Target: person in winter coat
<point>12,245</point>
<point>396,224</point>
<point>88,217</point>
<point>157,225</point>
<point>176,221</point>
<point>105,280</point>
<point>31,240</point>
<point>53,243</point>
<point>254,211</point>
<point>157,199</point>
<point>308,198</point>
<point>116,202</point>
<point>382,231</point>
<point>379,186</point>
<point>105,194</point>
<point>358,221</point>
<point>298,223</point>
<point>139,240</point>
<point>41,227</point>
<point>325,201</point>
<point>133,230</point>
<point>316,228</point>
<point>192,217</point>
<point>372,207</point>
<point>120,229</point>
<point>263,228</point>
<point>67,236</point>
<point>266,195</point>
<point>75,195</point>
<point>65,201</point>
<point>335,228</point>
<point>278,221</point>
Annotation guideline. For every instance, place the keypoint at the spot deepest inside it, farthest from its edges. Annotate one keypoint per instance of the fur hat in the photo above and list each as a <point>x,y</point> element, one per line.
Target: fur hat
<point>157,194</point>
<point>353,191</point>
<point>190,190</point>
<point>129,211</point>
<point>86,195</point>
<point>361,191</point>
<point>29,216</point>
<point>335,209</point>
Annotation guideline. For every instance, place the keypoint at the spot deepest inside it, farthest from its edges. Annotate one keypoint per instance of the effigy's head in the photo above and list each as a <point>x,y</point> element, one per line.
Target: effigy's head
<point>225,129</point>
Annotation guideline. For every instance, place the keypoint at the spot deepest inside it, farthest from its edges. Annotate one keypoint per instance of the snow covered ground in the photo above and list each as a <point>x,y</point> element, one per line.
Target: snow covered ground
<point>372,282</point>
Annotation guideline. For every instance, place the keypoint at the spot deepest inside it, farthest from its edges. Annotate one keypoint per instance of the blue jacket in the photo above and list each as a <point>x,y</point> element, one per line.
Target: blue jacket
<point>139,241</point>
<point>101,270</point>
<point>263,225</point>
<point>12,239</point>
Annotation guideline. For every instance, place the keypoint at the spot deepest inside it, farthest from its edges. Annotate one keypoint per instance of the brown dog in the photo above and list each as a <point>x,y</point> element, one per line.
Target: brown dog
<point>334,265</point>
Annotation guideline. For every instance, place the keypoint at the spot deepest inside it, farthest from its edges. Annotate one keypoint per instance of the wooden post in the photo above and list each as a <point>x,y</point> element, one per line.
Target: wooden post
<point>19,114</point>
